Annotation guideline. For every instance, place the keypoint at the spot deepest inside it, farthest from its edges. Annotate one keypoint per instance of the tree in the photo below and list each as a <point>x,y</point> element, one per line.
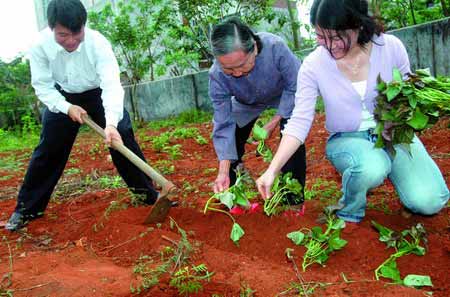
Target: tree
<point>401,13</point>
<point>200,15</point>
<point>136,32</point>
<point>17,97</point>
<point>295,25</point>
<point>445,7</point>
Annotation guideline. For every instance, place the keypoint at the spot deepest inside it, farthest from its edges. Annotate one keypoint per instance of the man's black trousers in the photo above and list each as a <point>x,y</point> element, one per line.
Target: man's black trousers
<point>50,156</point>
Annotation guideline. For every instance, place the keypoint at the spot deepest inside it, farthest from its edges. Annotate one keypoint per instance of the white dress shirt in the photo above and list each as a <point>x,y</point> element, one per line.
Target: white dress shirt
<point>92,65</point>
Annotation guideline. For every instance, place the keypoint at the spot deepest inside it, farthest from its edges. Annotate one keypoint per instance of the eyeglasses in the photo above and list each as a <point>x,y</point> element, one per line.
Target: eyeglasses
<point>244,67</point>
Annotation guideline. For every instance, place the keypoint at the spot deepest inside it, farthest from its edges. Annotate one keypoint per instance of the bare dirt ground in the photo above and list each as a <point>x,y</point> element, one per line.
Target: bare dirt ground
<point>85,247</point>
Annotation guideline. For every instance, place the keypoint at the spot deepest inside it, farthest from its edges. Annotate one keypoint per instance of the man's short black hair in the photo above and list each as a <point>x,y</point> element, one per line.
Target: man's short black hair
<point>70,14</point>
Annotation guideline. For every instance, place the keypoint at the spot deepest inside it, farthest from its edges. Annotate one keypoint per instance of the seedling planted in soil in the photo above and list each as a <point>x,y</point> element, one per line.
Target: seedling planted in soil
<point>188,280</point>
<point>236,195</point>
<point>319,245</point>
<point>405,242</point>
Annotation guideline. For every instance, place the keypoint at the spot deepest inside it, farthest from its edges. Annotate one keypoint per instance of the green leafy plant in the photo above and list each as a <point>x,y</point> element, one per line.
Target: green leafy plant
<point>207,171</point>
<point>72,171</point>
<point>193,116</point>
<point>405,107</point>
<point>111,182</point>
<point>185,133</point>
<point>380,205</point>
<point>96,149</point>
<point>260,135</point>
<point>326,191</point>
<point>13,162</point>
<point>174,151</point>
<point>283,186</point>
<point>236,195</point>
<point>405,242</point>
<point>161,141</point>
<point>18,105</point>
<point>319,245</point>
<point>188,280</point>
<point>201,140</point>
<point>401,13</point>
<point>165,167</point>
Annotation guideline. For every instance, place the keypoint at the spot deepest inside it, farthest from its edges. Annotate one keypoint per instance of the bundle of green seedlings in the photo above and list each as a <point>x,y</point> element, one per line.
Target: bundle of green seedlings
<point>283,186</point>
<point>238,194</point>
<point>405,242</point>
<point>408,106</point>
<point>260,135</point>
<point>319,245</point>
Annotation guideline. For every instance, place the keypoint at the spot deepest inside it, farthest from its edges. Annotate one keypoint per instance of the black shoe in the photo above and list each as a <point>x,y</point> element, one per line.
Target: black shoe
<point>16,222</point>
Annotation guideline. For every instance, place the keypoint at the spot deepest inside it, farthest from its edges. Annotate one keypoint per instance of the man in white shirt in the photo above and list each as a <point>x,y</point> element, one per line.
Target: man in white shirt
<point>74,72</point>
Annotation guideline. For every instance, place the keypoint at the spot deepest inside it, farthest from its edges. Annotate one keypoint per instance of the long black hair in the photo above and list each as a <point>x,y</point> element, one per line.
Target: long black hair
<point>341,15</point>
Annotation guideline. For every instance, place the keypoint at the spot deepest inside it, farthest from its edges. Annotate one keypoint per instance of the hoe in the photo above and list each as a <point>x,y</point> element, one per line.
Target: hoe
<point>163,204</point>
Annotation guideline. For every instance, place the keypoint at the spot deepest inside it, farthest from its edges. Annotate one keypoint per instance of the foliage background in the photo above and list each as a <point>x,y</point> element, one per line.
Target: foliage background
<point>155,38</point>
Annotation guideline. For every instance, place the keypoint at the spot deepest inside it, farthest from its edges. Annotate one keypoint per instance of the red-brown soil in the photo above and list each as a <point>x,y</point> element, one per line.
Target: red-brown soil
<point>62,254</point>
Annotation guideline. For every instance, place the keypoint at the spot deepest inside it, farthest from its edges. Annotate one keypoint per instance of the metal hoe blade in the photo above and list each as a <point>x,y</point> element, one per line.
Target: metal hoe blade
<point>159,211</point>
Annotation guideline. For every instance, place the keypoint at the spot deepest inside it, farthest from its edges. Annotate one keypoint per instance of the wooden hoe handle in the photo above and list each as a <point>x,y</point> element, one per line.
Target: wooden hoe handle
<point>166,185</point>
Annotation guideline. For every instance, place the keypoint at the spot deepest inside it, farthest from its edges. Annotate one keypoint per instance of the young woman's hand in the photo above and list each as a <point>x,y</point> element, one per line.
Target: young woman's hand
<point>264,184</point>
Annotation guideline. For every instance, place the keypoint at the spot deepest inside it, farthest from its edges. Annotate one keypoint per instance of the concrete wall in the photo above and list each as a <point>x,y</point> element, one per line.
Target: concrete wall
<point>428,45</point>
<point>163,98</point>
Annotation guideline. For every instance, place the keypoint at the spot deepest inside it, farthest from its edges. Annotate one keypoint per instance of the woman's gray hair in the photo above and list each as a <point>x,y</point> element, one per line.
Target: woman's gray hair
<point>232,35</point>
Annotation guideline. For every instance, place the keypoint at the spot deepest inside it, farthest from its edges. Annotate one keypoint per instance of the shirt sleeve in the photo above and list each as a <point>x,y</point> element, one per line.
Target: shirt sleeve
<point>107,69</point>
<point>288,64</point>
<point>402,59</point>
<point>43,82</point>
<point>224,124</point>
<point>300,122</point>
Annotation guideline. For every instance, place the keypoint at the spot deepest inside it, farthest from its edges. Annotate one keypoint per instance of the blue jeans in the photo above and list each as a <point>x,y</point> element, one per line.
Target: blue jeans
<point>416,177</point>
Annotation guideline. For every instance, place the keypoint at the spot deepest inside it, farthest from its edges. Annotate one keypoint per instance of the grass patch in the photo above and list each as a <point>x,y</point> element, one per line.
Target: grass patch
<point>188,117</point>
<point>14,140</point>
<point>13,163</point>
